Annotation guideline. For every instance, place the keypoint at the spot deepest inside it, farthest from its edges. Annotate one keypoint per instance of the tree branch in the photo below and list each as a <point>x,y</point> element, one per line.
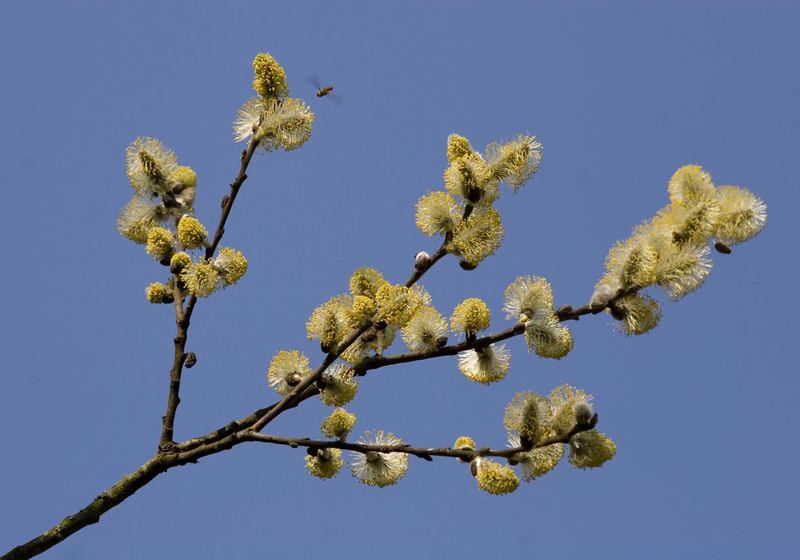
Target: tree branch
<point>184,317</point>
<point>565,313</point>
<point>293,398</point>
<point>426,453</point>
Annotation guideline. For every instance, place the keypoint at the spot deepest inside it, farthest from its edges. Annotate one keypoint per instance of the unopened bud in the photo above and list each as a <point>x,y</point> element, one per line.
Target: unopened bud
<point>474,465</point>
<point>422,260</point>
<point>722,248</point>
<point>191,360</point>
<point>583,412</point>
<point>602,295</point>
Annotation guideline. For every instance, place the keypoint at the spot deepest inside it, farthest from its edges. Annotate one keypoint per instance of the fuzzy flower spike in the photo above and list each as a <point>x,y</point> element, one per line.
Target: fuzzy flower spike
<point>274,119</point>
<point>324,463</point>
<point>495,478</point>
<point>515,162</point>
<point>379,469</point>
<point>287,369</point>
<point>149,163</point>
<point>485,365</point>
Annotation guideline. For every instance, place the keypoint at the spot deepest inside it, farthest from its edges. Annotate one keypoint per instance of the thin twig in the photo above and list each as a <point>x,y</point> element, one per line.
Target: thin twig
<point>184,317</point>
<point>566,313</point>
<point>423,452</point>
<point>293,397</point>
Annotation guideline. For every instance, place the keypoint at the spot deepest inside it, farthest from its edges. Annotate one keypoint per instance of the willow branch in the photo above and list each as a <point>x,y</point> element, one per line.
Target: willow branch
<point>293,397</point>
<point>566,313</point>
<point>426,453</point>
<point>184,316</point>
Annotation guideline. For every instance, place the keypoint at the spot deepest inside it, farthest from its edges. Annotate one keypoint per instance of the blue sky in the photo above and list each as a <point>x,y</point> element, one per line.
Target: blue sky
<point>620,93</point>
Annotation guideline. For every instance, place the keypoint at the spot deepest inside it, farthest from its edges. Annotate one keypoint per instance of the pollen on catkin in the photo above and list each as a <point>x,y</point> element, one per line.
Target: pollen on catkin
<point>365,281</point>
<point>690,224</point>
<point>363,309</point>
<point>157,292</point>
<point>231,264</point>
<point>689,185</point>
<point>437,212</point>
<point>464,442</point>
<point>270,78</point>
<point>477,237</point>
<point>538,461</point>
<point>468,177</point>
<point>632,263</point>
<point>425,330</point>
<point>248,117</point>
<point>528,299</point>
<point>142,213</point>
<point>379,469</point>
<point>338,424</point>
<point>562,401</point>
<point>529,414</point>
<point>515,162</point>
<point>742,215</point>
<point>457,146</point>
<point>329,322</point>
<point>683,268</point>
<point>182,183</point>
<point>160,243</point>
<point>495,478</point>
<point>325,463</point>
<point>369,342</point>
<point>640,314</point>
<point>548,338</point>
<point>184,176</point>
<point>179,261</point>
<point>286,370</point>
<point>396,304</point>
<point>639,267</point>
<point>148,164</point>
<point>200,278</point>
<point>286,125</point>
<point>339,385</point>
<point>470,316</point>
<point>485,365</point>
<point>590,449</point>
<point>191,233</point>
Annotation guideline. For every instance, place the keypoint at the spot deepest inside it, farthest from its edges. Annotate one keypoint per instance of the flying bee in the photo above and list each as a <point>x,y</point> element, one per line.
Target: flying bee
<point>324,91</point>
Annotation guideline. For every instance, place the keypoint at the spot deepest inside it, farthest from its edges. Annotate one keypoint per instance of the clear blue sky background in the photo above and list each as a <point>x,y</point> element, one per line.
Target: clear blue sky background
<point>703,409</point>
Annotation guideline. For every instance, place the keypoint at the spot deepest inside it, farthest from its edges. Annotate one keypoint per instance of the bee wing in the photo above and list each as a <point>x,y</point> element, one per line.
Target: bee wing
<point>335,97</point>
<point>314,81</point>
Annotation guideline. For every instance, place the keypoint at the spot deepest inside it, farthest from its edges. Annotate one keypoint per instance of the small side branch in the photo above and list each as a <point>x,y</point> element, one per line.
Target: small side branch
<point>184,316</point>
<point>293,398</point>
<point>422,452</point>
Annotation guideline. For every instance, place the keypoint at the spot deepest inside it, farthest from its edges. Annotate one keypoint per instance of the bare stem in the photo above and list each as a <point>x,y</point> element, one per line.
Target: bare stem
<point>184,316</point>
<point>426,453</point>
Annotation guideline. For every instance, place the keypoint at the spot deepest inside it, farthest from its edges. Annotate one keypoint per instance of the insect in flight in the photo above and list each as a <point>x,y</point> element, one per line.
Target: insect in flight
<point>324,91</point>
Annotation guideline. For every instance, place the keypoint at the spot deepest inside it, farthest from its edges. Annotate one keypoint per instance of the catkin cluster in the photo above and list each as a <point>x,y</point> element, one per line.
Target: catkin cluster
<point>671,250</point>
<point>463,213</point>
<point>160,216</point>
